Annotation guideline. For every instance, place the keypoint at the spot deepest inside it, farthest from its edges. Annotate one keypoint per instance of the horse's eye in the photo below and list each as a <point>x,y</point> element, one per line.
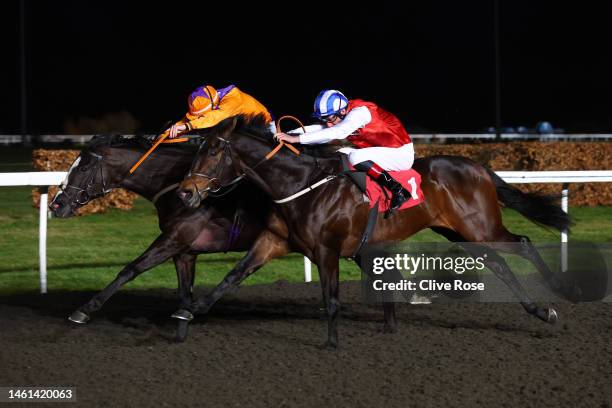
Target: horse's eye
<point>84,169</point>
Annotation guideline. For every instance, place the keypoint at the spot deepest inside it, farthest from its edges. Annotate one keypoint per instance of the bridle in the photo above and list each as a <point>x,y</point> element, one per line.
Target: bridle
<point>215,184</point>
<point>227,149</point>
<point>84,195</point>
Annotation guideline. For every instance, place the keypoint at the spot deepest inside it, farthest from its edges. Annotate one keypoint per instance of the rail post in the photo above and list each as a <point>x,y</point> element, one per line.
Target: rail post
<point>42,237</point>
<point>307,270</point>
<point>564,207</point>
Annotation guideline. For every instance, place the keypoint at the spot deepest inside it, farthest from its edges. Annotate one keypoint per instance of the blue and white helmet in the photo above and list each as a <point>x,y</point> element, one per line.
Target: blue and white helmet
<point>329,102</point>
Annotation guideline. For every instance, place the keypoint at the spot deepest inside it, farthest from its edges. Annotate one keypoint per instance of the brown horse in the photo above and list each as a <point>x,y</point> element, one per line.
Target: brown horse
<point>462,203</point>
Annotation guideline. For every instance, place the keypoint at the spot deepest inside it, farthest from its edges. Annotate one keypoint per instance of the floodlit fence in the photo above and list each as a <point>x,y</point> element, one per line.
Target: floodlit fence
<point>52,178</point>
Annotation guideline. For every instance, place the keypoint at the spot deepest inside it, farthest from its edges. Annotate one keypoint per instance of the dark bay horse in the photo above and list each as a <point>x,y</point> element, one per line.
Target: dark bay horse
<point>228,223</point>
<point>462,203</point>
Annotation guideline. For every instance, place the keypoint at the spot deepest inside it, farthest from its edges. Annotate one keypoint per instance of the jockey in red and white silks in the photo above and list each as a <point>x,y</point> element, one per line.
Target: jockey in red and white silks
<point>381,140</point>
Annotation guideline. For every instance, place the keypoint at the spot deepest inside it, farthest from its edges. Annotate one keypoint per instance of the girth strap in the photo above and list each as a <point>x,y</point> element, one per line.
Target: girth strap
<point>235,230</point>
<point>367,233</point>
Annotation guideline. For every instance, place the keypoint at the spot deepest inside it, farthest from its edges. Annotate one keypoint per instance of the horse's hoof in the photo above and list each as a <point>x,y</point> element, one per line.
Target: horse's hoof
<point>183,330</point>
<point>183,314</point>
<point>553,317</point>
<point>78,317</point>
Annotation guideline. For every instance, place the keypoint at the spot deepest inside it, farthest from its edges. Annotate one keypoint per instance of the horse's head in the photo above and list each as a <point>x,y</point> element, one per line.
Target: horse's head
<point>214,166</point>
<point>93,174</point>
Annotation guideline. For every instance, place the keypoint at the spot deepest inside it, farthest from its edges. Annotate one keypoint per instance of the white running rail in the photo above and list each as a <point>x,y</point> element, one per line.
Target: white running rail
<point>52,178</point>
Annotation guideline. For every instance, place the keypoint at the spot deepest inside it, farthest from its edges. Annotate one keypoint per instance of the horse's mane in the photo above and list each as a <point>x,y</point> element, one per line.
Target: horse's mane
<point>111,140</point>
<point>140,142</point>
<point>257,127</point>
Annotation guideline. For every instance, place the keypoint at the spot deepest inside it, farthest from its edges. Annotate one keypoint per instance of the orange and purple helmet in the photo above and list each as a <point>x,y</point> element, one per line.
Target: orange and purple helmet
<point>202,100</point>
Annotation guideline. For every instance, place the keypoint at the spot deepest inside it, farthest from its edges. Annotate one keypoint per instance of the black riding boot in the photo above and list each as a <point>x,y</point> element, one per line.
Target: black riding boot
<point>399,195</point>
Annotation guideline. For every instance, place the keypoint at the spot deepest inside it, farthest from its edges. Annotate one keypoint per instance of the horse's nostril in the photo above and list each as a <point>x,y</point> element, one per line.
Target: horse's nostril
<point>184,194</point>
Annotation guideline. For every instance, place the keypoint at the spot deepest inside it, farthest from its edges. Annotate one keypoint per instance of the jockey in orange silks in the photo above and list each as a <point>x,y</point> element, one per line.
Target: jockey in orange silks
<point>381,140</point>
<point>209,106</point>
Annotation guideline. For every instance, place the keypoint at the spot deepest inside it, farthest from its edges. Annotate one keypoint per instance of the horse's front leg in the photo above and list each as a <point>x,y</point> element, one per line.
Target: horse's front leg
<point>159,251</point>
<point>329,273</point>
<point>267,247</point>
<point>185,274</point>
<point>185,271</point>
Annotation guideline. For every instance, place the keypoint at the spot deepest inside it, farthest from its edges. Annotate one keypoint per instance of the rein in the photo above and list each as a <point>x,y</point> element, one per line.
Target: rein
<point>84,195</point>
<point>282,142</point>
<point>161,139</point>
<point>214,188</point>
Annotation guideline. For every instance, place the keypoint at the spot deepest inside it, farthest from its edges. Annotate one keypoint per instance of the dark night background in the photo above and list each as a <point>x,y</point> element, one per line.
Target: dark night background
<point>431,63</point>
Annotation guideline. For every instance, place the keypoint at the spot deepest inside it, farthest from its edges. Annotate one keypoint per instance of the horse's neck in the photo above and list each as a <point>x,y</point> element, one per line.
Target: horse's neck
<point>286,174</point>
<point>154,174</point>
<point>142,187</point>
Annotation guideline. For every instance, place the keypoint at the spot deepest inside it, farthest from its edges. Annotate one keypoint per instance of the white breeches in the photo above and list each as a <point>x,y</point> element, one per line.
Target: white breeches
<point>389,158</point>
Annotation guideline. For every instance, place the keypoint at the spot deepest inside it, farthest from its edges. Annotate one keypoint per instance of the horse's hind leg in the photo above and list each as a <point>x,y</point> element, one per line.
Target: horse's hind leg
<point>521,245</point>
<point>499,236</point>
<point>267,247</point>
<point>387,304</point>
<point>501,269</point>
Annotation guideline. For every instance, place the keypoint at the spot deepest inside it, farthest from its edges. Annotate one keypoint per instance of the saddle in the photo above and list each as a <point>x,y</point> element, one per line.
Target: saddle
<point>410,180</point>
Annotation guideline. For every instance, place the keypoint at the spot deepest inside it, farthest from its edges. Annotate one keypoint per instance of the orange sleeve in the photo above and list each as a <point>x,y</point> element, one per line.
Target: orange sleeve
<point>234,103</point>
<point>231,105</point>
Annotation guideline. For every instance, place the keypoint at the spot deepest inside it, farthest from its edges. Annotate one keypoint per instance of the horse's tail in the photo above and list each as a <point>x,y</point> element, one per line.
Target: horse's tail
<point>539,208</point>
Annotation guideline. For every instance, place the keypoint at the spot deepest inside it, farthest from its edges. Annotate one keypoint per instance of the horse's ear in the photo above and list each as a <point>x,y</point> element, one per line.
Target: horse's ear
<point>95,139</point>
<point>98,140</point>
<point>227,127</point>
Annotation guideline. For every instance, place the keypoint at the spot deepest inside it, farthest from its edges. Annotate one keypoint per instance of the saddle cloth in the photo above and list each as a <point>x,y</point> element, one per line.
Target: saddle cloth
<point>410,179</point>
